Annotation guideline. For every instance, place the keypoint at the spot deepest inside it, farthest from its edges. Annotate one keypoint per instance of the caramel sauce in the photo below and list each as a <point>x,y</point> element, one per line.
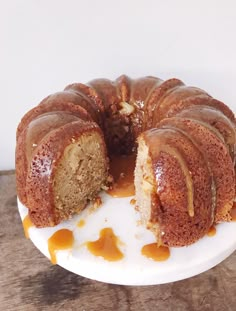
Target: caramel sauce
<point>60,240</point>
<point>212,231</point>
<point>27,224</point>
<point>106,246</point>
<point>233,212</point>
<point>155,252</point>
<point>81,223</point>
<point>122,170</point>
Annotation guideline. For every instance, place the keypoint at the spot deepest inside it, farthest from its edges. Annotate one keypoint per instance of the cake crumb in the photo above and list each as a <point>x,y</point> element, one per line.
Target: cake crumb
<point>132,201</point>
<point>94,204</point>
<point>104,187</point>
<point>109,183</point>
<point>97,202</point>
<point>138,236</point>
<point>139,222</point>
<point>110,179</point>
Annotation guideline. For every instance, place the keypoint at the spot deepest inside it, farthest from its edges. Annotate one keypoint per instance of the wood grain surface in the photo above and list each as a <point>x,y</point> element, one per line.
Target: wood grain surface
<point>28,281</point>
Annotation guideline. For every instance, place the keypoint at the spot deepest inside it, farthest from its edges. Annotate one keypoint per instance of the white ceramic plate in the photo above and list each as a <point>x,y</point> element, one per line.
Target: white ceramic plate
<point>134,268</point>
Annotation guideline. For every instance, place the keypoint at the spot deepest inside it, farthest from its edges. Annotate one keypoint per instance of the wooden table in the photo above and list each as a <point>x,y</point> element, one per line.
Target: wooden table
<point>28,281</point>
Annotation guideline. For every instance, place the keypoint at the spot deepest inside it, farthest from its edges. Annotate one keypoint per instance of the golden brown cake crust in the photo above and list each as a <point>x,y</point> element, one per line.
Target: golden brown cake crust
<point>173,156</point>
<point>60,101</point>
<point>139,92</point>
<point>218,157</point>
<point>154,100</point>
<point>225,128</point>
<point>199,100</point>
<point>30,138</point>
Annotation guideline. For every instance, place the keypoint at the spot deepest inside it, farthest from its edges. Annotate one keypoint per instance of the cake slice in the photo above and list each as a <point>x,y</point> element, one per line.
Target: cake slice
<point>68,169</point>
<point>174,187</point>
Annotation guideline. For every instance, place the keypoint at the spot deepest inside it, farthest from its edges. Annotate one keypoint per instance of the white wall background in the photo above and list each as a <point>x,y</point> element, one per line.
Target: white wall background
<point>46,44</point>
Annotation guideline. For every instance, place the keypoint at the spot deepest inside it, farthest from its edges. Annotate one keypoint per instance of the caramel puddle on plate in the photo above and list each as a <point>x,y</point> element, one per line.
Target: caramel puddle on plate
<point>60,240</point>
<point>212,231</point>
<point>27,224</point>
<point>81,223</point>
<point>106,246</point>
<point>122,170</point>
<point>155,252</point>
<point>233,212</point>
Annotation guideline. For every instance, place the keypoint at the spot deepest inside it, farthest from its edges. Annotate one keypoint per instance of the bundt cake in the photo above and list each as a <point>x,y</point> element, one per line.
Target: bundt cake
<point>184,140</point>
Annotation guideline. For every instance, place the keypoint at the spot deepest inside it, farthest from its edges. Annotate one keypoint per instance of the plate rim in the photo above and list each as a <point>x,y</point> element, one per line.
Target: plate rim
<point>68,261</point>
